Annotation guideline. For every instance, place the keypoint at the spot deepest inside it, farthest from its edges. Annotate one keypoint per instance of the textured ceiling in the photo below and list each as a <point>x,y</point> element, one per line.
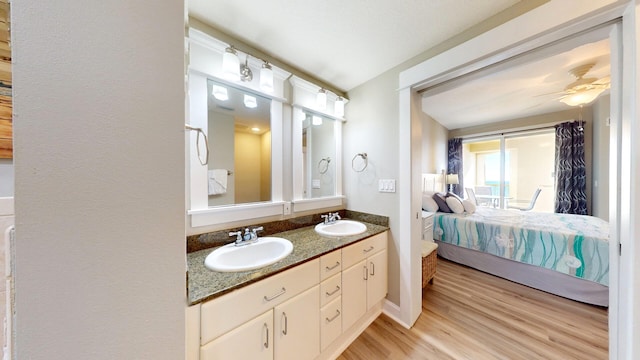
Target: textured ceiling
<point>344,43</point>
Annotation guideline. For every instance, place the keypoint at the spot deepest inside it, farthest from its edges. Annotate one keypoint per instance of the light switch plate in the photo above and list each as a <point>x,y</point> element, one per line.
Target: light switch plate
<point>315,183</point>
<point>387,185</point>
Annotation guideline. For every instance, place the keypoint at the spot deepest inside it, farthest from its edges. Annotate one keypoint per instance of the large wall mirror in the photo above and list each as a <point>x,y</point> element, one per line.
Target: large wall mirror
<point>239,129</point>
<point>318,156</point>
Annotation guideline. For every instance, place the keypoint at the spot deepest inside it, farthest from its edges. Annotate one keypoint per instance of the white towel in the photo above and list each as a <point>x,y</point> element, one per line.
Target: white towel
<point>217,181</point>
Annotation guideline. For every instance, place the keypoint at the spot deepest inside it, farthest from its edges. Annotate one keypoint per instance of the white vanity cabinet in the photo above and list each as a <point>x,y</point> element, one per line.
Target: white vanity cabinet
<point>364,282</point>
<point>257,315</point>
<point>251,340</point>
<point>302,313</point>
<point>297,328</point>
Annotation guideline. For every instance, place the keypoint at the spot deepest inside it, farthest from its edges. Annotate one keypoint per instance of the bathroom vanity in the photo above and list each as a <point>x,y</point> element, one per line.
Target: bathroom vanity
<point>310,305</point>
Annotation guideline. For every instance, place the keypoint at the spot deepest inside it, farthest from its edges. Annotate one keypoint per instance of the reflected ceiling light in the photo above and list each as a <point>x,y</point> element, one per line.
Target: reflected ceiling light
<point>231,64</point>
<point>266,77</point>
<point>338,107</point>
<point>581,97</point>
<point>321,99</point>
<point>255,129</point>
<point>220,92</point>
<point>317,120</point>
<point>250,101</point>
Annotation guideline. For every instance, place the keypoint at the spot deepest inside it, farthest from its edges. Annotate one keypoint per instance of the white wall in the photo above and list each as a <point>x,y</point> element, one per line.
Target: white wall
<point>99,171</point>
<point>6,177</point>
<point>600,170</point>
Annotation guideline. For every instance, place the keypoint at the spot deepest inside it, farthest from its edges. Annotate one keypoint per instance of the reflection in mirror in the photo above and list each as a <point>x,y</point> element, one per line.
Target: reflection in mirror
<point>240,143</point>
<point>319,156</point>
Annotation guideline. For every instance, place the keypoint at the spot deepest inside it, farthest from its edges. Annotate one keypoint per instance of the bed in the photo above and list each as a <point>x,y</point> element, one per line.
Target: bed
<point>567,255</point>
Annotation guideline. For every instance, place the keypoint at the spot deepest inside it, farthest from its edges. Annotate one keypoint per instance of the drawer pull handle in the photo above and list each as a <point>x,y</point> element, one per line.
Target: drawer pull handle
<point>334,316</point>
<point>373,269</point>
<point>334,291</point>
<point>284,329</point>
<point>368,250</point>
<point>329,268</point>
<point>266,329</point>
<point>266,298</point>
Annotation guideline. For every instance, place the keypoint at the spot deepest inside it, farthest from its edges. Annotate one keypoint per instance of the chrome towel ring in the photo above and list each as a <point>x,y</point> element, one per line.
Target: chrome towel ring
<point>323,165</point>
<point>362,165</point>
<point>199,132</point>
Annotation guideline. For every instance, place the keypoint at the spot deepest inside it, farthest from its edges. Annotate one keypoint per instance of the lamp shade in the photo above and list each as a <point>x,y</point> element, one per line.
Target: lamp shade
<point>317,120</point>
<point>250,101</point>
<point>220,92</point>
<point>338,107</point>
<point>581,97</point>
<point>321,99</point>
<point>452,179</point>
<point>266,77</point>
<point>231,64</point>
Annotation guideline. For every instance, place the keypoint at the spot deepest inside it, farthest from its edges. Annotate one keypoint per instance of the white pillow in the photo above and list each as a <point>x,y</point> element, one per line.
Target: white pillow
<point>455,204</point>
<point>469,206</point>
<point>428,204</point>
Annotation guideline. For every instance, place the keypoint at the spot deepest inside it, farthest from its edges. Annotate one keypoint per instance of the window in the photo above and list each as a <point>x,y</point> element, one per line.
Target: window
<point>507,169</point>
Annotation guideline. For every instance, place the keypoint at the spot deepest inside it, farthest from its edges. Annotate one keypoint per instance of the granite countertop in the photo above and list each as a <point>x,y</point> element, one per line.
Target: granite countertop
<point>204,284</point>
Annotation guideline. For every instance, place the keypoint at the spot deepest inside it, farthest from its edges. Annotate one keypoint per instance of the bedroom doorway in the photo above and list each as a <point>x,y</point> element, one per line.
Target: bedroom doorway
<point>505,170</point>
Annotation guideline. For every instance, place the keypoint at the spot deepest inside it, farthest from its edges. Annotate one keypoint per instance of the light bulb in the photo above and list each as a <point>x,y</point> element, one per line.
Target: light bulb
<point>266,77</point>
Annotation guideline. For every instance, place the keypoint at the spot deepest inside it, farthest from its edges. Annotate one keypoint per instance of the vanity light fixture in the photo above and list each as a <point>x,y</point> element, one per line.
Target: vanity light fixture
<point>321,99</point>
<point>250,101</point>
<point>220,92</point>
<point>266,77</point>
<point>317,120</point>
<point>231,64</point>
<point>338,107</point>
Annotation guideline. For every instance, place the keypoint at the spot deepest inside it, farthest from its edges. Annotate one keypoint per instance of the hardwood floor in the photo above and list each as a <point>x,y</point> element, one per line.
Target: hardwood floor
<point>468,314</point>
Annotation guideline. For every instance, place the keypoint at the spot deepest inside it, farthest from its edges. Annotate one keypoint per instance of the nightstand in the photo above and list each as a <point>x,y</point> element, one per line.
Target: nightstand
<point>427,225</point>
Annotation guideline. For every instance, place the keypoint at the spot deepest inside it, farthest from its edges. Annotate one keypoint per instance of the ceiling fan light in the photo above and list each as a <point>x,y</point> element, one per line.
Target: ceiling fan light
<point>581,97</point>
<point>231,64</point>
<point>266,77</point>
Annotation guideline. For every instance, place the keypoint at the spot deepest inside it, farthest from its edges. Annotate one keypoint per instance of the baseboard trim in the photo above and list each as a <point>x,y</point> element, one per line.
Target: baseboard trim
<point>393,311</point>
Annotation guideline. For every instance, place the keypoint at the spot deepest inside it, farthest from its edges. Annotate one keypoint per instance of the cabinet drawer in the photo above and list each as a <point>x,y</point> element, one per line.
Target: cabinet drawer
<point>228,311</point>
<point>330,289</point>
<point>253,340</point>
<point>330,322</point>
<point>367,247</point>
<point>330,264</point>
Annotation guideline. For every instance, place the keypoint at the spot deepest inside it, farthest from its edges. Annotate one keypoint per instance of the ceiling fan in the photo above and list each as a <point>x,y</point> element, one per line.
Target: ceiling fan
<point>583,90</point>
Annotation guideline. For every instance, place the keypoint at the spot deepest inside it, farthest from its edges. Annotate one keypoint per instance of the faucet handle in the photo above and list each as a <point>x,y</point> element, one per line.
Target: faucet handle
<point>336,216</point>
<point>325,217</point>
<point>237,234</point>
<point>254,232</point>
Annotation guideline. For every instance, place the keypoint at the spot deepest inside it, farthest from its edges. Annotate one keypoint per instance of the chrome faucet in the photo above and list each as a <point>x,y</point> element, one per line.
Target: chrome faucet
<point>249,236</point>
<point>331,218</point>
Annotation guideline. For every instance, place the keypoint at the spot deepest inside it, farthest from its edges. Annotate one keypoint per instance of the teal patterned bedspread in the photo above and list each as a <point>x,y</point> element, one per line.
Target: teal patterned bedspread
<point>576,245</point>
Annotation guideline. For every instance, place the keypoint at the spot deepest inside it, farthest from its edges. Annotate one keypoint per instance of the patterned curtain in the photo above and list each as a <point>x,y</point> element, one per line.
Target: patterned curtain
<point>455,164</point>
<point>571,184</point>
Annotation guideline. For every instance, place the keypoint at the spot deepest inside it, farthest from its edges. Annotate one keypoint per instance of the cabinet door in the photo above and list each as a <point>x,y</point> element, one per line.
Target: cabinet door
<point>377,279</point>
<point>297,326</point>
<point>251,340</point>
<point>354,293</point>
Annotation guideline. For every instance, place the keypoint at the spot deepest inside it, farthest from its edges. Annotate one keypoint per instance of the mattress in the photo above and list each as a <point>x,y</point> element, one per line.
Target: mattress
<point>575,245</point>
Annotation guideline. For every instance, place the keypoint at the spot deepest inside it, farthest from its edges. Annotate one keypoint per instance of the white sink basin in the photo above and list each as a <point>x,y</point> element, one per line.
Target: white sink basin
<point>341,228</point>
<point>266,251</point>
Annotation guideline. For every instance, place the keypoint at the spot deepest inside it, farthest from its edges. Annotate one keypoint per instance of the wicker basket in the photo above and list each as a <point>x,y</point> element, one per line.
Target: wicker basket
<point>429,262</point>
